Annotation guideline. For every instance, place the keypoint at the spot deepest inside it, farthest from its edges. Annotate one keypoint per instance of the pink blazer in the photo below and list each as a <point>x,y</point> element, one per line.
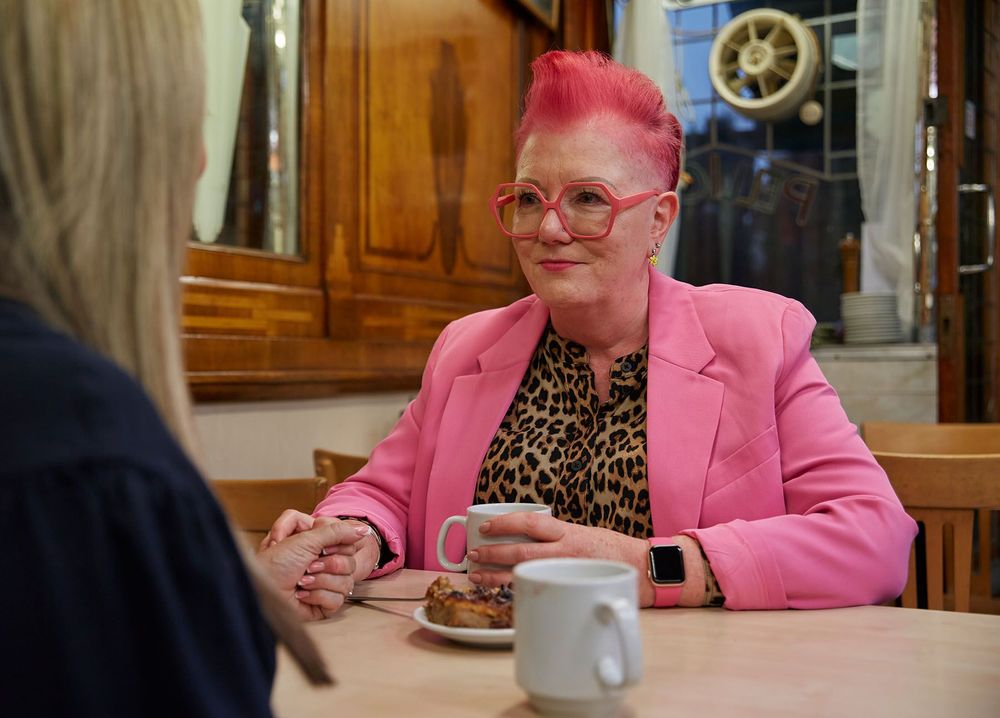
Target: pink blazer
<point>748,449</point>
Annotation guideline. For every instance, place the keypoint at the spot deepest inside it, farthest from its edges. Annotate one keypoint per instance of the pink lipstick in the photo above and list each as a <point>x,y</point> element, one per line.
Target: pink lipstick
<point>556,266</point>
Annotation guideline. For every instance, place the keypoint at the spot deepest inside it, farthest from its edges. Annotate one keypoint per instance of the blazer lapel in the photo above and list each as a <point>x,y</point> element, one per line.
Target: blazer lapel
<point>476,405</point>
<point>683,408</point>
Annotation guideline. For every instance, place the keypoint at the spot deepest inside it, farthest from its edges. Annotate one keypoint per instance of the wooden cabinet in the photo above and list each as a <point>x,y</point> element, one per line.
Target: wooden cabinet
<point>408,112</point>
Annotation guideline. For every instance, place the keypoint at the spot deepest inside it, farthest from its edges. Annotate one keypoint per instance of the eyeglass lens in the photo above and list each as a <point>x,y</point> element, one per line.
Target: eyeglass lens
<point>586,209</point>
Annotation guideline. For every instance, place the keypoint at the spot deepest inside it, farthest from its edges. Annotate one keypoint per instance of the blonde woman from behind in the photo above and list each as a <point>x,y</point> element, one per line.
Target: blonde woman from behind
<point>123,590</point>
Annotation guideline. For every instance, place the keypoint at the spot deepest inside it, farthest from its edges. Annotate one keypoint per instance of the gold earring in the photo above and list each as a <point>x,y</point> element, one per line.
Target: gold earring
<point>654,256</point>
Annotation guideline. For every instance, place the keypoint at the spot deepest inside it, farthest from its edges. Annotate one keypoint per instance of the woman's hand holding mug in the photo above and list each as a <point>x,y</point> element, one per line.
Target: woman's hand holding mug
<point>475,517</point>
<point>550,538</point>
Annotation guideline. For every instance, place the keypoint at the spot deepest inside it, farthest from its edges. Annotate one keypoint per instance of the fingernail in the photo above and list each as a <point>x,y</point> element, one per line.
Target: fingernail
<point>485,527</point>
<point>473,555</point>
<point>307,580</point>
<point>363,530</point>
<point>475,578</point>
<point>317,566</point>
<point>273,543</point>
<point>301,594</point>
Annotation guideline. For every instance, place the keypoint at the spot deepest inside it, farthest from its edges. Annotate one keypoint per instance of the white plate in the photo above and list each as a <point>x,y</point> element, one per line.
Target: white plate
<point>472,636</point>
<point>876,340</point>
<point>890,328</point>
<point>859,316</point>
<point>849,312</point>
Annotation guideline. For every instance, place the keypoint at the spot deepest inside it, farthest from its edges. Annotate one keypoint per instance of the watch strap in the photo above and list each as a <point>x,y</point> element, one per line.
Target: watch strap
<point>663,596</point>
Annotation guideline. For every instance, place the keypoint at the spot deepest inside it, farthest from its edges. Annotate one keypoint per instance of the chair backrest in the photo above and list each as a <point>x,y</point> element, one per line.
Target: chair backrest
<point>336,467</point>
<point>254,504</point>
<point>932,438</point>
<point>943,492</point>
<point>966,439</point>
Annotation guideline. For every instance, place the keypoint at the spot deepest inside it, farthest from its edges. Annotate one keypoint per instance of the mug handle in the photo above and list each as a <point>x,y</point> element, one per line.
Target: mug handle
<point>442,535</point>
<point>626,619</point>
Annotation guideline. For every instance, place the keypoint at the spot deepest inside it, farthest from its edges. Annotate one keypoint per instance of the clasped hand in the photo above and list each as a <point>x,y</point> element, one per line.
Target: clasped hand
<point>317,560</point>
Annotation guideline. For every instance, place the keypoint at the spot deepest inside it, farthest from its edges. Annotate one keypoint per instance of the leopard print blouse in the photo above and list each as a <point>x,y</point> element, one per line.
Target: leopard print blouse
<point>559,445</point>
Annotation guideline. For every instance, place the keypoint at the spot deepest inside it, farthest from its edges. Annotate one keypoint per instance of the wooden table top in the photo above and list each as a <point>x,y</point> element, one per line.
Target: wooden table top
<point>704,662</point>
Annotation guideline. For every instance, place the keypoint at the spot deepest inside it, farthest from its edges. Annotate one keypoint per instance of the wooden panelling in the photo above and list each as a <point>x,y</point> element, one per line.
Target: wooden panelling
<point>408,116</point>
<point>427,182</point>
<point>585,25</point>
<point>951,331</point>
<point>991,175</point>
<point>216,306</point>
<point>424,142</point>
<point>374,318</point>
<point>422,133</point>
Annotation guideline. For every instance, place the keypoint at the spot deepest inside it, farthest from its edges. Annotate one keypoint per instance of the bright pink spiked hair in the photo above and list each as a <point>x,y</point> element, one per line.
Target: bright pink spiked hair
<point>570,87</point>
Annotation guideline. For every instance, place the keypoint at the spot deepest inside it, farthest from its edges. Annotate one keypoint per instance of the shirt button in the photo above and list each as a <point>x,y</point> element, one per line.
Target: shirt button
<point>627,365</point>
<point>576,465</point>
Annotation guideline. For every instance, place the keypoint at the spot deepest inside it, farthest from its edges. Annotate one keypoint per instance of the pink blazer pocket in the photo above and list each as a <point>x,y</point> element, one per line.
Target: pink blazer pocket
<point>741,462</point>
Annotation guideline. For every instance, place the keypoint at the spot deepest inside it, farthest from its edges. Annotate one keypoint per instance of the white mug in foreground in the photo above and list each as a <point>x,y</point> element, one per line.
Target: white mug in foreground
<point>576,641</point>
<point>473,519</point>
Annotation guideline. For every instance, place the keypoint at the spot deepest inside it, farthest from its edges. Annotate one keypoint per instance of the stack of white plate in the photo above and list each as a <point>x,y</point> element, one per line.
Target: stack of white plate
<point>870,318</point>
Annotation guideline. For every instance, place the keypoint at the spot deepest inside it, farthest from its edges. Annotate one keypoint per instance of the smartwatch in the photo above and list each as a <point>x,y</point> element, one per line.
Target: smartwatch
<point>666,571</point>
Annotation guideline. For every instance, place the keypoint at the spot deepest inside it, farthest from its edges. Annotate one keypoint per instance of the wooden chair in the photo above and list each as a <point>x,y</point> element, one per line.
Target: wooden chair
<point>943,493</point>
<point>931,438</point>
<point>950,439</point>
<point>253,505</point>
<point>336,467</point>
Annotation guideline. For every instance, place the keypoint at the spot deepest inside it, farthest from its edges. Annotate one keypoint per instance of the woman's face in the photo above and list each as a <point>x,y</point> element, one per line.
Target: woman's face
<point>606,273</point>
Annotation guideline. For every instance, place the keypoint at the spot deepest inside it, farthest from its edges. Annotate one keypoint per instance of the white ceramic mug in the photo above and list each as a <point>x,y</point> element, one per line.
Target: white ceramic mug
<point>576,642</point>
<point>473,519</point>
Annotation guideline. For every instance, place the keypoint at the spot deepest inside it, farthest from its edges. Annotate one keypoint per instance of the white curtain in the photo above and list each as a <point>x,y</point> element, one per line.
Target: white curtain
<point>227,40</point>
<point>643,40</point>
<point>888,110</point>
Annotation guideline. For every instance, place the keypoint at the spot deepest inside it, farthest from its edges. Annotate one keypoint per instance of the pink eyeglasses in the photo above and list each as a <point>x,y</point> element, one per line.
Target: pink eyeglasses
<point>587,210</point>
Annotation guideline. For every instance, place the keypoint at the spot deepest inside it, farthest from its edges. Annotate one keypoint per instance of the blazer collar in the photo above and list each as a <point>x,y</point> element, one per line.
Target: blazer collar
<point>675,332</point>
<point>519,342</point>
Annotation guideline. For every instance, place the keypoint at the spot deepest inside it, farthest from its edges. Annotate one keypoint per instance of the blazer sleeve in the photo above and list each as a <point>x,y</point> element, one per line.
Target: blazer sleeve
<point>380,492</point>
<point>844,539</point>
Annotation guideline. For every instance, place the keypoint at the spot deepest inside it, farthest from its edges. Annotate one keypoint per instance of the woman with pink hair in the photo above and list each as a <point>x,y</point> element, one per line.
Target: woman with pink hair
<point>684,430</point>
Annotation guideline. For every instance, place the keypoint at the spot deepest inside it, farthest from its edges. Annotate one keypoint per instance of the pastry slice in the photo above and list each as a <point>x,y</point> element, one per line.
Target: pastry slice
<point>474,607</point>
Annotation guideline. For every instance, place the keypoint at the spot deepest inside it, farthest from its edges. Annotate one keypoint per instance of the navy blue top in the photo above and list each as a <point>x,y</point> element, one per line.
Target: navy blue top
<point>121,589</point>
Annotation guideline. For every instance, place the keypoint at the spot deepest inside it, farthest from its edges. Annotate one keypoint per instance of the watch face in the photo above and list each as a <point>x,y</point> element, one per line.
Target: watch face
<point>666,564</point>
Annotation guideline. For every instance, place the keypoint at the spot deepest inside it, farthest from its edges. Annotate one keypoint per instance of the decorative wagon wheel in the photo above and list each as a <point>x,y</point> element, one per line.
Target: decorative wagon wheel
<point>764,63</point>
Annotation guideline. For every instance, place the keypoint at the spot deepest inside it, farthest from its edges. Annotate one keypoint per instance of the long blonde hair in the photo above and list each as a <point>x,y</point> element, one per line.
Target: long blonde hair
<point>101,107</point>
